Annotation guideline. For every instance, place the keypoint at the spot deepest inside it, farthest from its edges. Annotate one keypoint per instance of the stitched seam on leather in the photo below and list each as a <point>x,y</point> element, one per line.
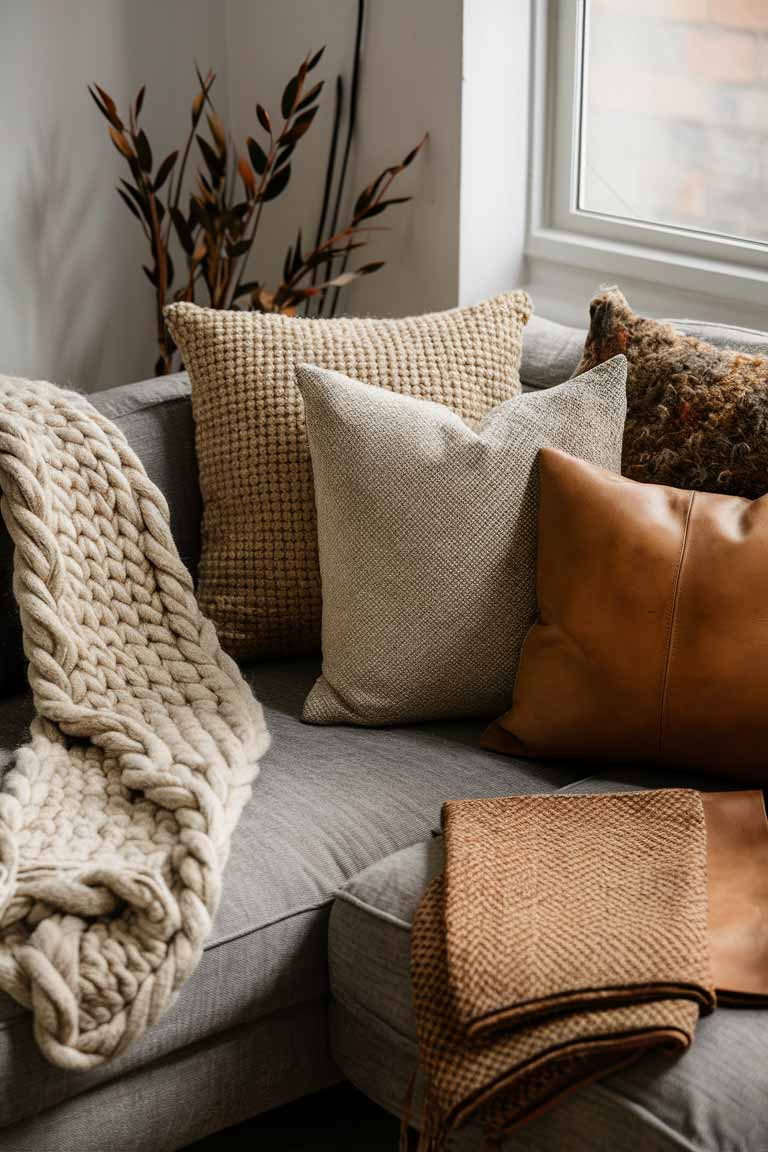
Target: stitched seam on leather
<point>671,625</point>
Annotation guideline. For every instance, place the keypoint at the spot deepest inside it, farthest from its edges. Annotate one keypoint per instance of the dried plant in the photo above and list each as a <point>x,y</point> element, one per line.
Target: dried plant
<point>215,227</point>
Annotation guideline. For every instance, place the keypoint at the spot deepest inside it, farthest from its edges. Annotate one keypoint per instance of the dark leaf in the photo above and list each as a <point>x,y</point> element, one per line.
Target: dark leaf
<point>373,266</point>
<point>310,96</point>
<point>299,127</point>
<point>129,203</point>
<point>315,259</point>
<point>287,264</point>
<point>263,117</point>
<point>136,171</point>
<point>257,154</point>
<point>246,287</point>
<point>165,170</point>
<point>369,193</point>
<point>415,151</point>
<point>277,183</point>
<point>313,63</point>
<point>160,367</point>
<point>111,107</point>
<point>212,161</point>
<point>298,256</point>
<point>383,205</point>
<point>292,92</point>
<point>150,275</point>
<point>139,102</point>
<point>113,118</point>
<point>170,271</point>
<point>234,251</point>
<point>183,230</point>
<point>199,214</point>
<point>139,200</point>
<point>284,152</point>
<point>144,152</point>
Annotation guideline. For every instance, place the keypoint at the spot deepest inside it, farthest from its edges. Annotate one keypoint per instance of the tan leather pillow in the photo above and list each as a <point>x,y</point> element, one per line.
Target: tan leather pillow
<point>651,643</point>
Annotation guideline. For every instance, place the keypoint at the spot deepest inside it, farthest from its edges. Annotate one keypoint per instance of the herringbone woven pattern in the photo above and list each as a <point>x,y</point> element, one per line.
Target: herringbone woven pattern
<point>259,576</point>
<point>115,819</point>
<point>567,935</point>
<point>427,532</point>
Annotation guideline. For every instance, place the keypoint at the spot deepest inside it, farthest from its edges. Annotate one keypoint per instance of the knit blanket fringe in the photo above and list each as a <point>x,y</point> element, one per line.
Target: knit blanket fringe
<point>116,817</point>
<point>566,936</point>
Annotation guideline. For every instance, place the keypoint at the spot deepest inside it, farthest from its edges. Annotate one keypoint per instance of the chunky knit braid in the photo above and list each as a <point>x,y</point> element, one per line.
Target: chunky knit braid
<point>115,819</point>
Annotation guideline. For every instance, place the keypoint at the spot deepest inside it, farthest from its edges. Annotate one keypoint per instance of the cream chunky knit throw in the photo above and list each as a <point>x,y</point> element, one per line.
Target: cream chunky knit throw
<point>115,819</point>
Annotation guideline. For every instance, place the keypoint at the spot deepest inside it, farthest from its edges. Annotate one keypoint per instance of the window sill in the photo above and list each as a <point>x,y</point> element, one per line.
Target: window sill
<point>720,281</point>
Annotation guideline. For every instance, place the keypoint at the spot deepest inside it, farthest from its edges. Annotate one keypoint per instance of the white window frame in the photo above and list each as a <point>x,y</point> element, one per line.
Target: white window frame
<point>559,231</point>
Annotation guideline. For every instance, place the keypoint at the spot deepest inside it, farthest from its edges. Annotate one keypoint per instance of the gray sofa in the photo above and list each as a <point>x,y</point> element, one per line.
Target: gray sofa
<point>297,988</point>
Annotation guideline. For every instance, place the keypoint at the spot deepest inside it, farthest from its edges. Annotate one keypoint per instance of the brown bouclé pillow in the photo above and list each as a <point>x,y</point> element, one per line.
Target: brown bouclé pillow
<point>697,416</point>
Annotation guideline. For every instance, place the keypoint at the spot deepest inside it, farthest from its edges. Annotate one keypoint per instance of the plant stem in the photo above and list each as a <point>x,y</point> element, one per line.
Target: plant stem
<point>353,98</point>
<point>330,170</point>
<point>161,280</point>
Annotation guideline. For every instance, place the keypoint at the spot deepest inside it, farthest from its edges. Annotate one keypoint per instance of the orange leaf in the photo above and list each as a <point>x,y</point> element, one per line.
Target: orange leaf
<point>121,143</point>
<point>246,172</point>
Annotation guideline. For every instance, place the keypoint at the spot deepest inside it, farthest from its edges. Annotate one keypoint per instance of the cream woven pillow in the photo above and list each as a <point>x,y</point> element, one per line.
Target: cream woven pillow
<point>259,577</point>
<point>427,535</point>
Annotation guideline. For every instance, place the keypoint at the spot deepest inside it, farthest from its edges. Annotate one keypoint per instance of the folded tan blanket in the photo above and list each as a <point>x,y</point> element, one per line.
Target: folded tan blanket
<point>567,935</point>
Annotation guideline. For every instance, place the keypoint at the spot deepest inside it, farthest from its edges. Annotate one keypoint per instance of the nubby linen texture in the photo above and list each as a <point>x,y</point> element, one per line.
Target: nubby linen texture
<point>259,575</point>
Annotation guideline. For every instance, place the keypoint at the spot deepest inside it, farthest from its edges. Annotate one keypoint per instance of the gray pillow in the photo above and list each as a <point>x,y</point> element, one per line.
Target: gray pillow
<point>427,539</point>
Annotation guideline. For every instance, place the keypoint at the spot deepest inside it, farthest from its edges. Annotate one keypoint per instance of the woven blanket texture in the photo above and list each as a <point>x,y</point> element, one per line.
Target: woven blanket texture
<point>115,819</point>
<point>566,936</point>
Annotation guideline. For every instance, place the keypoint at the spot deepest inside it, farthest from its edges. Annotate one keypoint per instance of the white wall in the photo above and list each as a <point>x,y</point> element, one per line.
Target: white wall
<point>74,303</point>
<point>494,146</point>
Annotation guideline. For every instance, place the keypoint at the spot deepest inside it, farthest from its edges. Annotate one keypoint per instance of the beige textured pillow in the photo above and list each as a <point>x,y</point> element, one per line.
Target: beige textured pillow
<point>259,577</point>
<point>427,534</point>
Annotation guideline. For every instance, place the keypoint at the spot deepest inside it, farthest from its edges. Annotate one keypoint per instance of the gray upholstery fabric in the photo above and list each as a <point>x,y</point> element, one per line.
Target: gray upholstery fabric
<point>551,352</point>
<point>427,538</point>
<point>156,418</point>
<point>199,1089</point>
<point>711,1098</point>
<point>328,803</point>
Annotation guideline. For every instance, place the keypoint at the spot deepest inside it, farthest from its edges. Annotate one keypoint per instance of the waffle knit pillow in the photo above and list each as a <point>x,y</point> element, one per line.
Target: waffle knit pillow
<point>696,415</point>
<point>427,532</point>
<point>259,578</point>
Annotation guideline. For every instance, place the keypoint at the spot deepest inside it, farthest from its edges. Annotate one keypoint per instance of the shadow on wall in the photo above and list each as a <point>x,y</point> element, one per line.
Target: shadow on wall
<point>75,306</point>
<point>66,278</point>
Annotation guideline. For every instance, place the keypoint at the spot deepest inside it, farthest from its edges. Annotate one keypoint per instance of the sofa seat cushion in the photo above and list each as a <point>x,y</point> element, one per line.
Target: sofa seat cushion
<point>712,1097</point>
<point>328,803</point>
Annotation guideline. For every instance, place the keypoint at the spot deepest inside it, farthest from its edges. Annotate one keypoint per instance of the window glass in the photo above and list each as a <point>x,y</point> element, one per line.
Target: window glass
<point>674,114</point>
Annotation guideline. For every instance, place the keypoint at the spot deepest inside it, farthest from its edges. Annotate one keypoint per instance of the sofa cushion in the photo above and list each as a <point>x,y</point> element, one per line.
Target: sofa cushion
<point>328,803</point>
<point>156,418</point>
<point>712,1097</point>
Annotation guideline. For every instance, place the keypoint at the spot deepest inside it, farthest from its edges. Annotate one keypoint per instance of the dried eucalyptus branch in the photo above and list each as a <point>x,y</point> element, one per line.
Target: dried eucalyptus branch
<point>216,230</point>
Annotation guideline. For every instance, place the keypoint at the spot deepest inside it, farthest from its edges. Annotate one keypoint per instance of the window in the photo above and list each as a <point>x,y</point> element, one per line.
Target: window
<point>652,137</point>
